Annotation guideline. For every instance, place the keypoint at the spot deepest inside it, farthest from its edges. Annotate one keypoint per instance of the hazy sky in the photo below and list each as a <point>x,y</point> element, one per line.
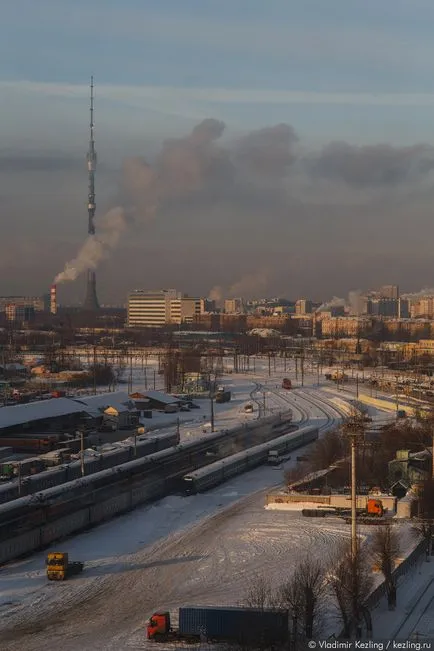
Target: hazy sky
<point>342,198</point>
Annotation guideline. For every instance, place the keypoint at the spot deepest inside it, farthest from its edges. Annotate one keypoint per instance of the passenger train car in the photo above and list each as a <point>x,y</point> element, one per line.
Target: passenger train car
<point>218,472</point>
<point>68,472</point>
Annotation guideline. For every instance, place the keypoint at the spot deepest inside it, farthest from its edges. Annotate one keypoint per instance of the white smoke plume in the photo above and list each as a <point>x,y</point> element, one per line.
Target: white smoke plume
<point>427,291</point>
<point>354,301</point>
<point>335,302</point>
<point>217,294</point>
<point>248,286</point>
<point>97,247</point>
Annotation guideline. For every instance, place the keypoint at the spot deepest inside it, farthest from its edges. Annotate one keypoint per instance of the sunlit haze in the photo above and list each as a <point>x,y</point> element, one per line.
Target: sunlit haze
<point>284,148</point>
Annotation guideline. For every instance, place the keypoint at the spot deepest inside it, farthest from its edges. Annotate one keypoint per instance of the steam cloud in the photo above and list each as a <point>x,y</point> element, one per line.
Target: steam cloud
<point>97,247</point>
<point>335,302</point>
<point>248,286</point>
<point>246,179</point>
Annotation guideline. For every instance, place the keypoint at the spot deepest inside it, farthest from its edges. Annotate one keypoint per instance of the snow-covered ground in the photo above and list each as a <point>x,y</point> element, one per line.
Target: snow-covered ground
<point>202,549</point>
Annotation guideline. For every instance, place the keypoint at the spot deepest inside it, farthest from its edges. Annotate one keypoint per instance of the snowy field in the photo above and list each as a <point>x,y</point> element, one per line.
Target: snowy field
<point>202,549</point>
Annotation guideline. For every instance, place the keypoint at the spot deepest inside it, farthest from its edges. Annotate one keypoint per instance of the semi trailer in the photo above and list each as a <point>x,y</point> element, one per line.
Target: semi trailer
<point>220,623</point>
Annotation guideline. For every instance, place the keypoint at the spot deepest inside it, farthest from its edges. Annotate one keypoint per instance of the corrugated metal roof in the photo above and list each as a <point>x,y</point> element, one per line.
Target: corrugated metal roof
<point>20,414</point>
<point>117,399</point>
<point>161,397</point>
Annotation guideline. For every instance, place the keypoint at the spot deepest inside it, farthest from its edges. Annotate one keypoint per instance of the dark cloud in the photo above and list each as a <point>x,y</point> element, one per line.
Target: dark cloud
<point>374,165</point>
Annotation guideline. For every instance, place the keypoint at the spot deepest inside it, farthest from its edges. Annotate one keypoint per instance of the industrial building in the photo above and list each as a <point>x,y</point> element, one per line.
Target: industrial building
<point>157,308</point>
<point>116,409</point>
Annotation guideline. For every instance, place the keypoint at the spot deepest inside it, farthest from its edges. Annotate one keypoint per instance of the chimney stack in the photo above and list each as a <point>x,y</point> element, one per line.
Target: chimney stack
<point>53,299</point>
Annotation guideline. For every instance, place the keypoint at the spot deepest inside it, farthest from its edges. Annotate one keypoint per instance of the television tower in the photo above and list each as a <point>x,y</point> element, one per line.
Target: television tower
<point>91,300</point>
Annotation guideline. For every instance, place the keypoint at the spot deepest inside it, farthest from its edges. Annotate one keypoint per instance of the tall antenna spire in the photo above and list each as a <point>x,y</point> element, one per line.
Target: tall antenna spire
<point>91,166</point>
<point>91,300</point>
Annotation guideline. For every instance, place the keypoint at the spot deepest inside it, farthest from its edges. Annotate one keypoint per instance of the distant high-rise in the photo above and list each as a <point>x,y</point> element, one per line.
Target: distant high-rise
<point>303,306</point>
<point>389,291</point>
<point>91,300</point>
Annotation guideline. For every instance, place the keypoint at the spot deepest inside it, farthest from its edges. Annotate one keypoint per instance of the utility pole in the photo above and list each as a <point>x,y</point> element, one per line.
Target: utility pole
<point>82,452</point>
<point>211,397</point>
<point>19,479</point>
<point>264,403</point>
<point>94,370</point>
<point>354,429</point>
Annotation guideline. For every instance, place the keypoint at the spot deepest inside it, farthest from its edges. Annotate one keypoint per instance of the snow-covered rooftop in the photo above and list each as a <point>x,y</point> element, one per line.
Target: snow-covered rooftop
<point>160,397</point>
<point>119,400</point>
<point>20,414</point>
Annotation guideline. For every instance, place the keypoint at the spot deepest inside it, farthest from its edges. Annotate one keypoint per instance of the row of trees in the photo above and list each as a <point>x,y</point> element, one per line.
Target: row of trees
<point>335,587</point>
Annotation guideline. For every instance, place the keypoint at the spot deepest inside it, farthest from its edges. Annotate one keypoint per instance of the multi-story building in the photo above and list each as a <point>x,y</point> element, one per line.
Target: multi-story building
<point>234,306</point>
<point>303,306</point>
<point>344,326</point>
<point>19,313</point>
<point>184,309</point>
<point>383,307</point>
<point>157,308</point>
<point>36,302</point>
<point>389,291</point>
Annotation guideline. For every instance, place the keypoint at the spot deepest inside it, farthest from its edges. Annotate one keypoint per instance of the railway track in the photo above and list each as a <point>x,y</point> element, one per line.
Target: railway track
<point>409,625</point>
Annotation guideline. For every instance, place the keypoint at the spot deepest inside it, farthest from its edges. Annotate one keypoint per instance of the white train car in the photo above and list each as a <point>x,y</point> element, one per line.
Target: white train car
<point>218,472</point>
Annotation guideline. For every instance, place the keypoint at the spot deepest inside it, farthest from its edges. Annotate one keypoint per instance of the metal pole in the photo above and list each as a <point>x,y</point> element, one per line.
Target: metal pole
<point>353,498</point>
<point>211,395</point>
<point>269,365</point>
<point>396,396</point>
<point>154,379</point>
<point>302,371</point>
<point>19,479</point>
<point>357,385</point>
<point>177,427</point>
<point>82,453</point>
<point>265,405</point>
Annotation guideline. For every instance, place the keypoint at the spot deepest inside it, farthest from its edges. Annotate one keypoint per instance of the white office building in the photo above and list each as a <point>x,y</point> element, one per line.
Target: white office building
<point>157,308</point>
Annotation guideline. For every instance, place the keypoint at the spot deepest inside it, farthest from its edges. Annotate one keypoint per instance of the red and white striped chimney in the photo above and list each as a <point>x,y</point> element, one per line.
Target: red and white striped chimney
<point>53,299</point>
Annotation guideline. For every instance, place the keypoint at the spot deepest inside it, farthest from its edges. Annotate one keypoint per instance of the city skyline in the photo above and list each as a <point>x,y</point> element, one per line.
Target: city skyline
<point>339,197</point>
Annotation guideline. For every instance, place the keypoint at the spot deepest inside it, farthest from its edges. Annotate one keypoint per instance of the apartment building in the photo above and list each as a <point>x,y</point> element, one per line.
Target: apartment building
<point>303,306</point>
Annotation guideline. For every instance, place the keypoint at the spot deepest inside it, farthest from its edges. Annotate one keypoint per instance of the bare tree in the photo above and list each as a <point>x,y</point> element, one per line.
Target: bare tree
<point>302,594</point>
<point>385,549</point>
<point>424,525</point>
<point>351,584</point>
<point>259,594</point>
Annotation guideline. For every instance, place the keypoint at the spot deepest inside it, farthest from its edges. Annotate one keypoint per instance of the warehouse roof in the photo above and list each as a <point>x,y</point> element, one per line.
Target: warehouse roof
<point>54,408</point>
<point>159,396</point>
<point>119,400</point>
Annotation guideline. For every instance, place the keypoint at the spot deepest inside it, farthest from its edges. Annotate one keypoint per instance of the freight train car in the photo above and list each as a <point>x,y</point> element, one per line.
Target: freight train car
<point>218,472</point>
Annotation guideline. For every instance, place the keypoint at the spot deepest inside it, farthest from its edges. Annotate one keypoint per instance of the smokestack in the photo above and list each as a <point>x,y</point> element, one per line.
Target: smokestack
<point>53,299</point>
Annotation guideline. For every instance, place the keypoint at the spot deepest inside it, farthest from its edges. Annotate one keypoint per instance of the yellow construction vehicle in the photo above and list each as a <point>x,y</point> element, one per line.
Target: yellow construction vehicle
<point>59,568</point>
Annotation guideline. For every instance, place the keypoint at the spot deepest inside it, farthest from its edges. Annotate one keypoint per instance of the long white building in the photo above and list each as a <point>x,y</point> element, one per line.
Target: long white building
<point>156,308</point>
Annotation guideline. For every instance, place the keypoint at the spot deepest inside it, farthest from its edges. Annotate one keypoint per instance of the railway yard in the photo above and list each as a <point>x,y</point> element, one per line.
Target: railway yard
<point>182,549</point>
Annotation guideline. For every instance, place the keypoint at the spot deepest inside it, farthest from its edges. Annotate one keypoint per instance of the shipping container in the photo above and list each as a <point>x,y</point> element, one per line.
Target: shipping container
<point>238,624</point>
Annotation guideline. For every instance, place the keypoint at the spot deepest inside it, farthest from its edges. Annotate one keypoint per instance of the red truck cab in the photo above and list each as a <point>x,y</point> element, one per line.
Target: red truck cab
<point>159,624</point>
<point>374,507</point>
